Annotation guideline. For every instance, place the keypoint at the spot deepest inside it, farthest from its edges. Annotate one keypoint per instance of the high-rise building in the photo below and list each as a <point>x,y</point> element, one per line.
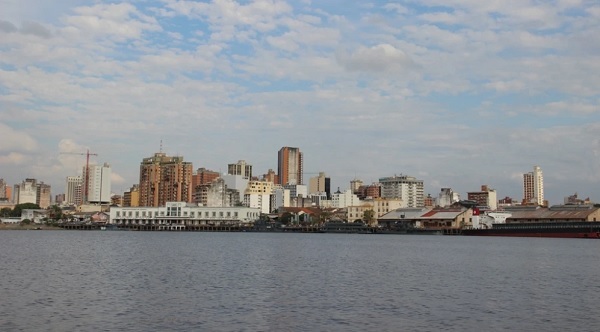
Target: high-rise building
<point>533,186</point>
<point>3,190</point>
<point>320,184</point>
<point>131,198</point>
<point>407,188</point>
<point>59,199</point>
<point>485,197</point>
<point>290,166</point>
<point>26,192</point>
<point>165,179</point>
<point>74,192</point>
<point>43,196</point>
<point>203,176</point>
<point>241,168</point>
<point>98,183</point>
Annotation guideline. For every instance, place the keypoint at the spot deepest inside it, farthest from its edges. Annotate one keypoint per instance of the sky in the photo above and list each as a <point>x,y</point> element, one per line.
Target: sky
<point>455,93</point>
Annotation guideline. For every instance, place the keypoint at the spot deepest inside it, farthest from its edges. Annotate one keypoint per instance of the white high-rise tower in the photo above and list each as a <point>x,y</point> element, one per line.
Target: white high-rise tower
<point>74,192</point>
<point>99,184</point>
<point>533,186</point>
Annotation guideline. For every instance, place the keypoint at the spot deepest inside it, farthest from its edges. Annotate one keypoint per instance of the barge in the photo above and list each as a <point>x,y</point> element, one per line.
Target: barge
<point>583,229</point>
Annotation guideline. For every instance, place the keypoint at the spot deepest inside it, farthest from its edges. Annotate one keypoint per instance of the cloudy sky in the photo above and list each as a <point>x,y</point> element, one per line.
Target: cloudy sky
<point>456,93</point>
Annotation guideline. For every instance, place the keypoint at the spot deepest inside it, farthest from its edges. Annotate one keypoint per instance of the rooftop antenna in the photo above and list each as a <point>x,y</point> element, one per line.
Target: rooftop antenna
<point>160,146</point>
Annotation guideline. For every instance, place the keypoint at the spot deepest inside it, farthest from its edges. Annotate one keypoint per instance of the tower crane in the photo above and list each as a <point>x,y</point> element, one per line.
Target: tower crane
<point>87,171</point>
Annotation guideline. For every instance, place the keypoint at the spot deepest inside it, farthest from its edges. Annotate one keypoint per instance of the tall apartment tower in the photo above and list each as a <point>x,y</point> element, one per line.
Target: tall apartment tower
<point>2,190</point>
<point>26,192</point>
<point>43,196</point>
<point>165,179</point>
<point>203,176</point>
<point>290,166</point>
<point>98,183</point>
<point>407,188</point>
<point>74,192</point>
<point>320,184</point>
<point>533,186</point>
<point>241,168</point>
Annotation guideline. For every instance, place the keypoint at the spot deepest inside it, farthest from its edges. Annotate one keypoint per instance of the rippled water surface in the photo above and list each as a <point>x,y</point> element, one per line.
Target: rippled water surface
<point>159,281</point>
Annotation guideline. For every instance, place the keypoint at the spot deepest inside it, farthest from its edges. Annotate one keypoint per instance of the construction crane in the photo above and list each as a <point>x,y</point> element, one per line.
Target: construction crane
<point>87,171</point>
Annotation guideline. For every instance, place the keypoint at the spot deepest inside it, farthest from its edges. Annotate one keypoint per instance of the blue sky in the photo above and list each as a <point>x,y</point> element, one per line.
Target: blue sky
<point>457,93</point>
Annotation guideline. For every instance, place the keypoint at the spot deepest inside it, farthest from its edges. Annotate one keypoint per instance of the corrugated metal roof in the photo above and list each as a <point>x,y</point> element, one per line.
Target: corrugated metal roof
<point>441,214</point>
<point>404,213</point>
<point>555,212</point>
<point>423,213</point>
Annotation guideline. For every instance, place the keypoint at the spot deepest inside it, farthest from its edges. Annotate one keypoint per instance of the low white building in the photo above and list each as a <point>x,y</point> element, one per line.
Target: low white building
<point>181,213</point>
<point>35,215</point>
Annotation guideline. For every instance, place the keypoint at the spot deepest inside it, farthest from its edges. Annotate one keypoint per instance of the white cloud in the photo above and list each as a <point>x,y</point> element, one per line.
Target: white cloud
<point>13,158</point>
<point>378,58</point>
<point>14,140</point>
<point>119,22</point>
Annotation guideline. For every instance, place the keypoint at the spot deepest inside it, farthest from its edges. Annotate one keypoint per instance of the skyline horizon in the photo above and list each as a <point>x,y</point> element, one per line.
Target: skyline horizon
<point>427,189</point>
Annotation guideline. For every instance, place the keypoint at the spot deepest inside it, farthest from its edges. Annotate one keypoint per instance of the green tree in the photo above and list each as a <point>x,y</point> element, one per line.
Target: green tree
<point>55,213</point>
<point>18,209</point>
<point>5,212</point>
<point>285,218</point>
<point>25,222</point>
<point>369,216</point>
<point>324,216</point>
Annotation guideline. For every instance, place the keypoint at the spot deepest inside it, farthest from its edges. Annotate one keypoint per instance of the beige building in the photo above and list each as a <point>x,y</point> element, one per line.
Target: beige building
<point>485,197</point>
<point>320,184</point>
<point>407,188</point>
<point>428,218</point>
<point>26,192</point>
<point>43,197</point>
<point>241,168</point>
<point>165,179</point>
<point>355,185</point>
<point>131,198</point>
<point>380,207</point>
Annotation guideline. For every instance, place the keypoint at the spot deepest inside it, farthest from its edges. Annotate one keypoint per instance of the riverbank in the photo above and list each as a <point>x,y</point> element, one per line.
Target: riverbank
<point>19,227</point>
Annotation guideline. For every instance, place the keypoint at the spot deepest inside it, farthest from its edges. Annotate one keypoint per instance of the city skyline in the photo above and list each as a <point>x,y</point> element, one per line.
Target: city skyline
<point>457,95</point>
<point>182,172</point>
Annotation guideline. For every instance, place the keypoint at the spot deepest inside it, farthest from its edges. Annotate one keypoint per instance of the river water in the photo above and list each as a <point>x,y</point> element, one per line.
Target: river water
<point>168,281</point>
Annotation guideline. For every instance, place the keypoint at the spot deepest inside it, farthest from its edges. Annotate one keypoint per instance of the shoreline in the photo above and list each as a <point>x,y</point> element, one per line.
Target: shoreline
<point>32,227</point>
